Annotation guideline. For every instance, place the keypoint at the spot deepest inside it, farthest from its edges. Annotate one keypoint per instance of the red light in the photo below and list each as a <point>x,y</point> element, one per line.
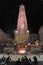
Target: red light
<point>22,46</point>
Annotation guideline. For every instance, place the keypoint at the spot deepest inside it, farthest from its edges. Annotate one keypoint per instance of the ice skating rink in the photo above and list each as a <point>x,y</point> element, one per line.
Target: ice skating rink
<point>15,57</point>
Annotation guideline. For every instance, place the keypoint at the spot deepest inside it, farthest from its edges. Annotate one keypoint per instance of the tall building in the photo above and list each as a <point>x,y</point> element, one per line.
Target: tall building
<point>41,33</point>
<point>22,33</point>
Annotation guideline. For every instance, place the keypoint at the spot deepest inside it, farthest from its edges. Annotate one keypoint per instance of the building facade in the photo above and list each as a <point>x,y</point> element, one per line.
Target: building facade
<point>22,33</point>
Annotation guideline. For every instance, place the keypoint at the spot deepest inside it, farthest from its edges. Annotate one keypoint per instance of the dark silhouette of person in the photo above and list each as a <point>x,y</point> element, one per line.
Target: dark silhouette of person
<point>3,58</point>
<point>35,60</point>
<point>24,60</point>
<point>30,61</point>
<point>8,60</point>
<point>18,62</point>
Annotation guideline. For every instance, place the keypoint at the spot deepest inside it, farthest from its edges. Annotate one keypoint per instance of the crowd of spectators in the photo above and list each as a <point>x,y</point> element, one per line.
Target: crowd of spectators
<point>24,61</point>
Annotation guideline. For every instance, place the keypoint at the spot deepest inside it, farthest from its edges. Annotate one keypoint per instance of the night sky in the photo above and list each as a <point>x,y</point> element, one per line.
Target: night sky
<point>9,10</point>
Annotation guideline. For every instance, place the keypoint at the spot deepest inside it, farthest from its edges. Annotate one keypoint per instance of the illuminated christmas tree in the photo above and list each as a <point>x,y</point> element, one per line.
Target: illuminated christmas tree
<point>22,22</point>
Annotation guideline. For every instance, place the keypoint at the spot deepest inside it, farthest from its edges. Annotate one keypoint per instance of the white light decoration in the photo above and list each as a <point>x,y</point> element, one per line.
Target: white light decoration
<point>15,43</point>
<point>27,31</point>
<point>29,43</point>
<point>7,44</point>
<point>16,31</point>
